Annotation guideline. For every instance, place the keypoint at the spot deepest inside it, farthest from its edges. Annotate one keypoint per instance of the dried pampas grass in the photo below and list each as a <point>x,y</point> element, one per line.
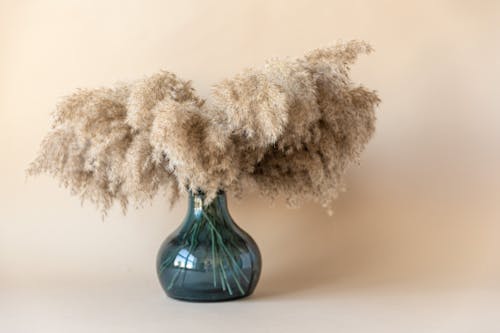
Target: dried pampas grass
<point>289,128</point>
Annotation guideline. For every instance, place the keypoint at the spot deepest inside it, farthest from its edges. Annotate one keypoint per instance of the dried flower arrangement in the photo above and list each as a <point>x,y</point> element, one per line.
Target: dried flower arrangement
<point>289,128</point>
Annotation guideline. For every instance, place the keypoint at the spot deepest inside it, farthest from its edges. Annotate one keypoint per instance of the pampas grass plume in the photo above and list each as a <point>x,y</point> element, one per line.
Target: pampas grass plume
<point>290,128</point>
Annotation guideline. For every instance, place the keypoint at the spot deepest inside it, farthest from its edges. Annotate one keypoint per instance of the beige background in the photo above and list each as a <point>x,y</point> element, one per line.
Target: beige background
<point>414,245</point>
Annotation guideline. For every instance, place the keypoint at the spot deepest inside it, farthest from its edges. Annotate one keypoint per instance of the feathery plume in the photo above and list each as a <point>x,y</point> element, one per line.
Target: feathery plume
<point>289,128</point>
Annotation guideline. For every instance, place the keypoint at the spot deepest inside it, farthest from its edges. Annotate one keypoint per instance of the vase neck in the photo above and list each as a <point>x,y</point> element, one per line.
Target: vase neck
<point>199,209</point>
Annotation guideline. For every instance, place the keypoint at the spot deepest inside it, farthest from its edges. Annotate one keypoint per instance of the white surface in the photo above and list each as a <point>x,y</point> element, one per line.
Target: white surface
<point>138,308</point>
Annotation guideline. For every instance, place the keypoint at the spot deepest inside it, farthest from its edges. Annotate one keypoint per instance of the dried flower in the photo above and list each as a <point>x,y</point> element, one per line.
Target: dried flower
<point>290,128</point>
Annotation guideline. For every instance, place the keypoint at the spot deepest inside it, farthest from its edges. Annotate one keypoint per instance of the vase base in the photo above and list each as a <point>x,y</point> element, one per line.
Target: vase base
<point>205,299</point>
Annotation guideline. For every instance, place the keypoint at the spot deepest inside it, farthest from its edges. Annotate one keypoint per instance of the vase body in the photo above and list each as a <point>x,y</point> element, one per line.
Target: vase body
<point>208,258</point>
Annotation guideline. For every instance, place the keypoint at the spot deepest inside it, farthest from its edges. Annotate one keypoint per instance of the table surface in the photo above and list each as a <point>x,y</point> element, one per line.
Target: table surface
<point>111,306</point>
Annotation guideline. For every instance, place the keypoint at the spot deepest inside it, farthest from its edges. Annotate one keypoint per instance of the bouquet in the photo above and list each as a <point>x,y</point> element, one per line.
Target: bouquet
<point>290,128</point>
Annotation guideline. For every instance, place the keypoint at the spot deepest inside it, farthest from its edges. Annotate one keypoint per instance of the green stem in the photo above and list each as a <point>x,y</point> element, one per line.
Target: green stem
<point>232,264</point>
<point>225,279</point>
<point>212,240</point>
<point>234,275</point>
<point>224,248</point>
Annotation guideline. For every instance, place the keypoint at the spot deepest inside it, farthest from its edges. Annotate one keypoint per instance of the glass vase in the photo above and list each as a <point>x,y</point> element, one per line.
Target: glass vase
<point>208,258</point>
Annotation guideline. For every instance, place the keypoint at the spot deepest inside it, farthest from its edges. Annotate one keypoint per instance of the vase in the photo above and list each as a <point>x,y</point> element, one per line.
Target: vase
<point>208,258</point>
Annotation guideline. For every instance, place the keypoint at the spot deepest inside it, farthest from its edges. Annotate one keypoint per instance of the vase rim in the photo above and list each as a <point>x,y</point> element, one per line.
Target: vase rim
<point>200,192</point>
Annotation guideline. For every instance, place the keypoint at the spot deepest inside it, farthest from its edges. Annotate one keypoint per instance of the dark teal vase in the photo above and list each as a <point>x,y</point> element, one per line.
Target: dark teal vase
<point>208,258</point>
